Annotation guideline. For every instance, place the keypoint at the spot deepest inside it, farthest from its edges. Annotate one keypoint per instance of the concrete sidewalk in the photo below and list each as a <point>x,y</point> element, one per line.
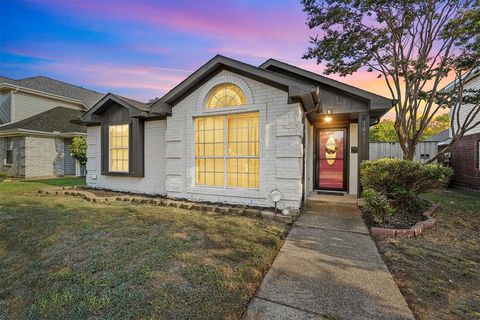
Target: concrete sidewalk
<point>329,268</point>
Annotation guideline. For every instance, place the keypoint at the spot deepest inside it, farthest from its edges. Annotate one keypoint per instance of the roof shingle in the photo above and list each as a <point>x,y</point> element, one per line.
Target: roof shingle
<point>53,120</point>
<point>45,84</point>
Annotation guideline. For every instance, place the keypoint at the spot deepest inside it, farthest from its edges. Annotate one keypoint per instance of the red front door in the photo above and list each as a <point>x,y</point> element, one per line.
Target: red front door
<point>330,159</point>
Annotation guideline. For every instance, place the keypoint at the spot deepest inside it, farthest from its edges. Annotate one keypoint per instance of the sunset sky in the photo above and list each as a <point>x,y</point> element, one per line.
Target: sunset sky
<point>143,49</point>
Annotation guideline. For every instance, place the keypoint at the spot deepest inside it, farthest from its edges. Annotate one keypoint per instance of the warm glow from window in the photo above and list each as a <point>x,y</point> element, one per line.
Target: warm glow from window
<point>225,95</point>
<point>227,151</point>
<point>118,148</point>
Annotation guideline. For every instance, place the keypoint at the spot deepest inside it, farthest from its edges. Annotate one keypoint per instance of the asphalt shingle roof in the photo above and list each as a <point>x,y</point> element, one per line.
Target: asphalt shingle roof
<point>49,85</point>
<point>53,120</point>
<point>439,137</point>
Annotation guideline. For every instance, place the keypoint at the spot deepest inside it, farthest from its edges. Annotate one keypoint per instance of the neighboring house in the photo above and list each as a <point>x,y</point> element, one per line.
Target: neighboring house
<point>233,133</point>
<point>442,138</point>
<point>465,153</point>
<point>35,127</point>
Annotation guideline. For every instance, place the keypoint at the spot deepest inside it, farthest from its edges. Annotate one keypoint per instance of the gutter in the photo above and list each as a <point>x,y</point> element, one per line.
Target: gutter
<point>25,132</point>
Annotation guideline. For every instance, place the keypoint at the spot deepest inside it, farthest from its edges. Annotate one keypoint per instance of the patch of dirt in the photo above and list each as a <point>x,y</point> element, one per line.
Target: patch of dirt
<point>438,273</point>
<point>399,221</point>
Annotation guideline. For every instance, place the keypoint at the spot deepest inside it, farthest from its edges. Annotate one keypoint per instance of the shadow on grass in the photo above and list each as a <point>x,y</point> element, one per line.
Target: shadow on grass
<point>60,182</point>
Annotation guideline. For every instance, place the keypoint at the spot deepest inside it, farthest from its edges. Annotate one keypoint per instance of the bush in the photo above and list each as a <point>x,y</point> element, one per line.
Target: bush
<point>398,183</point>
<point>378,204</point>
<point>78,148</point>
<point>3,176</point>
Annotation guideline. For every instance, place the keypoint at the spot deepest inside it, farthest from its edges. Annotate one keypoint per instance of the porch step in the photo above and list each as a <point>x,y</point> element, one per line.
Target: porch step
<point>315,198</point>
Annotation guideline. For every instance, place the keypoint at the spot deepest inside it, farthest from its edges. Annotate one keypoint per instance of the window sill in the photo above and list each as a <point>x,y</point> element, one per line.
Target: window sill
<point>227,192</point>
<point>8,164</point>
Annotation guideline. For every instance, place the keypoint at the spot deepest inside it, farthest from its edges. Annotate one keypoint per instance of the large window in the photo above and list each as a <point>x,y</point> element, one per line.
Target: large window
<point>225,95</point>
<point>8,151</point>
<point>118,148</point>
<point>227,151</point>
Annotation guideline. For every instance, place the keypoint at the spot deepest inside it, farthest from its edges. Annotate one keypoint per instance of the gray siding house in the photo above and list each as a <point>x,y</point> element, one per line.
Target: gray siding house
<point>232,133</point>
<point>35,127</point>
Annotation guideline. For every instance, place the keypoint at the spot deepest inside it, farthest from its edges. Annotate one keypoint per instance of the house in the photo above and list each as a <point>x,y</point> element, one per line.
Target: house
<point>233,133</point>
<point>35,127</point>
<point>465,153</point>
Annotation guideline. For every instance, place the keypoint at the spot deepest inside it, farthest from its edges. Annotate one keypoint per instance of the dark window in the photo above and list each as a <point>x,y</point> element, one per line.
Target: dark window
<point>9,151</point>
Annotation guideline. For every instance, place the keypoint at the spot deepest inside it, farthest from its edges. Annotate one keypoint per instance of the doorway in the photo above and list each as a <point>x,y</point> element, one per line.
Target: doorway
<point>331,159</point>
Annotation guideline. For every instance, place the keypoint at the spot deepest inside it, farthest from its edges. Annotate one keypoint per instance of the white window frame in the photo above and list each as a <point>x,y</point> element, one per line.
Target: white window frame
<point>225,156</point>
<point>110,148</point>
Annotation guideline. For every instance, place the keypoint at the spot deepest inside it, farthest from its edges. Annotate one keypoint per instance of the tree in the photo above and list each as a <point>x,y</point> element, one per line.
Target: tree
<point>437,125</point>
<point>384,131</point>
<point>412,44</point>
<point>78,148</point>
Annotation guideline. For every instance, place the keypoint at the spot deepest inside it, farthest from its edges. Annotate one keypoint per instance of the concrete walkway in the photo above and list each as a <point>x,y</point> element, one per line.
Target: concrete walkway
<point>328,268</point>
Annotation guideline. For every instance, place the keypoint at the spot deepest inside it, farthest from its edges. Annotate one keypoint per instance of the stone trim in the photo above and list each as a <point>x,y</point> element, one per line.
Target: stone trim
<point>214,208</point>
<point>414,231</point>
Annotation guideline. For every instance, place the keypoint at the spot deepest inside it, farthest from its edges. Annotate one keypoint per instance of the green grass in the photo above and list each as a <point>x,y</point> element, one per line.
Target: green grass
<point>65,258</point>
<point>439,272</point>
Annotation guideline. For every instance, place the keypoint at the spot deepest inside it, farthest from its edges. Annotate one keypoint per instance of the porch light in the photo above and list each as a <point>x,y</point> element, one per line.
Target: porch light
<point>327,119</point>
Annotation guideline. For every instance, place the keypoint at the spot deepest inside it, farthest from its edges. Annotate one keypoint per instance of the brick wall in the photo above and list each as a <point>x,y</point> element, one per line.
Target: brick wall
<point>17,169</point>
<point>464,160</point>
<point>154,180</point>
<point>43,156</point>
<point>281,149</point>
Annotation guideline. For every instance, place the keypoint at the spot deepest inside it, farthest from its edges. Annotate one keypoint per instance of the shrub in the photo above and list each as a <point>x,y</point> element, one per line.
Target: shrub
<point>78,148</point>
<point>399,182</point>
<point>3,176</point>
<point>378,204</point>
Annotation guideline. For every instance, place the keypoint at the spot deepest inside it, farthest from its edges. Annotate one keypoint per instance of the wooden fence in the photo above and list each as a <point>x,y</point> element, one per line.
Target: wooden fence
<point>424,151</point>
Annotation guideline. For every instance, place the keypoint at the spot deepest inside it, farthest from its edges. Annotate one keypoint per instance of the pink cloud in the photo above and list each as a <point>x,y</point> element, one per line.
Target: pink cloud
<point>211,19</point>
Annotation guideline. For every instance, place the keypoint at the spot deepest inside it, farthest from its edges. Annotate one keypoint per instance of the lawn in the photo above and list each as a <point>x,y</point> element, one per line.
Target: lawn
<point>65,258</point>
<point>439,272</point>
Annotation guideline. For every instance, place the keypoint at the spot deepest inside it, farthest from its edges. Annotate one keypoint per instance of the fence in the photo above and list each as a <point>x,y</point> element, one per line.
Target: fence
<point>424,151</point>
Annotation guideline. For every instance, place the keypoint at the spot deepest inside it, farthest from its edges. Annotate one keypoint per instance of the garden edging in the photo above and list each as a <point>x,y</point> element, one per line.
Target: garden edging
<point>163,201</point>
<point>413,231</point>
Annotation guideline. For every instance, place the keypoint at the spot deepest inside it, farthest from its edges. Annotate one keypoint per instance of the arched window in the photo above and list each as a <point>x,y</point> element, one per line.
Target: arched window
<point>225,95</point>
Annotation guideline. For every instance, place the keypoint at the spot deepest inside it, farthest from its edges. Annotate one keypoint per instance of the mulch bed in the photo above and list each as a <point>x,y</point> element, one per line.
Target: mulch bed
<point>400,221</point>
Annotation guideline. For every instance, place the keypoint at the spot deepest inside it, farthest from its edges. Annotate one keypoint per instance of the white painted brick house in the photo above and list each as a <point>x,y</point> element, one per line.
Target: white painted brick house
<point>232,133</point>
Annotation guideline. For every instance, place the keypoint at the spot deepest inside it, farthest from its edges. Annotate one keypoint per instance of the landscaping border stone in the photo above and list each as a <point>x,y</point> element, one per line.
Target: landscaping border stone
<point>413,231</point>
<point>213,208</point>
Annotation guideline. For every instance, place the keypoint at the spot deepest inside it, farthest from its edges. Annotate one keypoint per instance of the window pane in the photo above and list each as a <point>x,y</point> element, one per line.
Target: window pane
<point>219,179</point>
<point>9,157</point>
<point>225,94</point>
<point>209,178</point>
<point>232,179</point>
<point>209,149</point>
<point>219,165</point>
<point>219,149</point>
<point>118,145</point>
<point>209,136</point>
<point>242,180</point>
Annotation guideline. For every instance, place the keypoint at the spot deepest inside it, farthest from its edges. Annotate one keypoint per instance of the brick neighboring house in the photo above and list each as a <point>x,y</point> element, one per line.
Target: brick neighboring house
<point>35,127</point>
<point>465,153</point>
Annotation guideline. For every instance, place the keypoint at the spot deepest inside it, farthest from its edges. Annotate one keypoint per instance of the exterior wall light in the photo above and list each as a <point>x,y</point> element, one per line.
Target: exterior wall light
<point>328,119</point>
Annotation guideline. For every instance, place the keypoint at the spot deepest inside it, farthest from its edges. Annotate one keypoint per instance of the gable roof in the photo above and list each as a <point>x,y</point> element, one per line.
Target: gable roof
<point>56,120</point>
<point>135,108</point>
<point>60,88</point>
<point>376,101</point>
<point>297,90</point>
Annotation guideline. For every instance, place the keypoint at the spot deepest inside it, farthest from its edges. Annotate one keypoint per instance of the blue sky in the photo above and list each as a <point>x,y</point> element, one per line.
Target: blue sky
<point>142,49</point>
